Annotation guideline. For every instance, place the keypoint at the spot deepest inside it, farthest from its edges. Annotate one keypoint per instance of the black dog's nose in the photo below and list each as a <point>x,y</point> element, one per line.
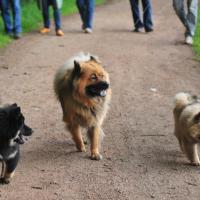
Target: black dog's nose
<point>26,131</point>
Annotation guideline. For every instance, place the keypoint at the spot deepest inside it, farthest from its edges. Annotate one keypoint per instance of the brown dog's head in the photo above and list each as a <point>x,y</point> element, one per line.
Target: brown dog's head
<point>90,80</point>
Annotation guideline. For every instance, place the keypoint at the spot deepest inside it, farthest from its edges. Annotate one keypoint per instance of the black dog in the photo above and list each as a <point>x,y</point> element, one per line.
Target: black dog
<point>12,132</point>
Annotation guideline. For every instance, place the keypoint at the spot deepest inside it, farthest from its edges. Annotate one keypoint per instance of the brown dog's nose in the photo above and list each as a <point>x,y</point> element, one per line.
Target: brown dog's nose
<point>104,85</point>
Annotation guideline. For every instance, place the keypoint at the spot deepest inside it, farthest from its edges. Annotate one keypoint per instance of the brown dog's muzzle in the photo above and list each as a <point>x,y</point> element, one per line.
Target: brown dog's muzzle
<point>97,89</point>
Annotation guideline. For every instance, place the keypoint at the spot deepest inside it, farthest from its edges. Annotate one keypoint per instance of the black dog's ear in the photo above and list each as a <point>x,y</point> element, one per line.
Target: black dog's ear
<point>77,69</point>
<point>15,110</point>
<point>18,110</point>
<point>197,118</point>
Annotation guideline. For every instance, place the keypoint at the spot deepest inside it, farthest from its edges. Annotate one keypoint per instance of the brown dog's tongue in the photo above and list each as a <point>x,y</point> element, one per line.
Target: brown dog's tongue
<point>103,93</point>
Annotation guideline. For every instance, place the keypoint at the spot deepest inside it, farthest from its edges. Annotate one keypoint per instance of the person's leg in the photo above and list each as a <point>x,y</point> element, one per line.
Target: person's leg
<point>192,17</point>
<point>180,11</point>
<point>89,13</point>
<point>57,18</point>
<point>6,16</point>
<point>16,17</point>
<point>82,11</point>
<point>136,14</point>
<point>56,14</point>
<point>45,13</point>
<point>147,15</point>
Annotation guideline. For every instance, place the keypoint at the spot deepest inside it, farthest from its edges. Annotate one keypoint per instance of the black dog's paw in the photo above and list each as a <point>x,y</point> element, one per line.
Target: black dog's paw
<point>4,181</point>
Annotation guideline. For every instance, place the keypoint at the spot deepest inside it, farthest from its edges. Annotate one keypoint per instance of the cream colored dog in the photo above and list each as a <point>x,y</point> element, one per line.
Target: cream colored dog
<point>187,125</point>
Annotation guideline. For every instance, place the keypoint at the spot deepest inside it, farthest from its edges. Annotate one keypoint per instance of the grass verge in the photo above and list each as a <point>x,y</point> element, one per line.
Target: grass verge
<point>32,18</point>
<point>197,38</point>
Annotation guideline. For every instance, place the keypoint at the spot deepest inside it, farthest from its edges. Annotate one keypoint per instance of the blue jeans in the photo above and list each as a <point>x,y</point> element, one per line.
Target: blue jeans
<point>56,14</point>
<point>188,19</point>
<point>86,10</point>
<point>10,27</point>
<point>147,14</point>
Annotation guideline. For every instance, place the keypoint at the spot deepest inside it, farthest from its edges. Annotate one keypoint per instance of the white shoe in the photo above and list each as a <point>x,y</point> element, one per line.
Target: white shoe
<point>189,40</point>
<point>88,30</point>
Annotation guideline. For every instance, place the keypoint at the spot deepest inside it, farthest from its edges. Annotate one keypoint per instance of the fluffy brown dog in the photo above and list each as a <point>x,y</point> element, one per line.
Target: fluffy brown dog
<point>187,125</point>
<point>83,89</point>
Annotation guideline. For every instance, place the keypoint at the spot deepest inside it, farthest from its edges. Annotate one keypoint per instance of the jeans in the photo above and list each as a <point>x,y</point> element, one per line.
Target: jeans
<point>56,14</point>
<point>147,14</point>
<point>188,19</point>
<point>86,10</point>
<point>10,27</point>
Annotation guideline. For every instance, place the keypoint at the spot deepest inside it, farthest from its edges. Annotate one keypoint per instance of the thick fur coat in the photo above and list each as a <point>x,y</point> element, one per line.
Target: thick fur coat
<point>187,125</point>
<point>12,132</point>
<point>83,88</point>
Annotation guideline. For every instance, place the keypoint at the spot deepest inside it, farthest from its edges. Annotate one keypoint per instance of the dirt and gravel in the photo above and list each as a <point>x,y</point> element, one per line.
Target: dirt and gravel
<point>142,159</point>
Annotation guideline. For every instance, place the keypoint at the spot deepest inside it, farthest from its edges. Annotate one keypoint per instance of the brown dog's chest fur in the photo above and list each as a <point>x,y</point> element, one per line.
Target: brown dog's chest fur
<point>84,115</point>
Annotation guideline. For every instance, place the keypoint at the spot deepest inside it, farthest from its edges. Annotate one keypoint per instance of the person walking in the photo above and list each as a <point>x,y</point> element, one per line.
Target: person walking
<point>12,27</point>
<point>147,23</point>
<point>44,6</point>
<point>188,19</point>
<point>86,11</point>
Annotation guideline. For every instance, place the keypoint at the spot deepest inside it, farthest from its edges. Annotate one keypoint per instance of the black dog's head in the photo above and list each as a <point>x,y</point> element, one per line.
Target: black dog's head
<point>12,126</point>
<point>24,132</point>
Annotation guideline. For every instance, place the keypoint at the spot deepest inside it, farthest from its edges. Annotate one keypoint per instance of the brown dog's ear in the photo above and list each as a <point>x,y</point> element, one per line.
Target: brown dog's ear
<point>77,69</point>
<point>197,118</point>
<point>95,58</point>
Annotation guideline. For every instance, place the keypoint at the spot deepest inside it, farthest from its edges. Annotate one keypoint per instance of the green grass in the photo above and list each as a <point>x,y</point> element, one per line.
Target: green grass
<point>32,17</point>
<point>197,39</point>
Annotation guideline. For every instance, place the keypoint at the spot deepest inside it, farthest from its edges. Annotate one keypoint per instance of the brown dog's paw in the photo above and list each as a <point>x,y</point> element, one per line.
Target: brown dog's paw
<point>96,156</point>
<point>195,163</point>
<point>81,149</point>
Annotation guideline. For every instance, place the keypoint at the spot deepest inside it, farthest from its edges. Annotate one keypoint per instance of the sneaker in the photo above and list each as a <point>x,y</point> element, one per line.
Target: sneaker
<point>138,30</point>
<point>189,40</point>
<point>44,30</point>
<point>59,32</point>
<point>88,30</point>
<point>17,36</point>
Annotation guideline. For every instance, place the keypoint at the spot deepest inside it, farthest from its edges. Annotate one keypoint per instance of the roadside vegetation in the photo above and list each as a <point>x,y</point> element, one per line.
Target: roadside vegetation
<point>197,38</point>
<point>32,17</point>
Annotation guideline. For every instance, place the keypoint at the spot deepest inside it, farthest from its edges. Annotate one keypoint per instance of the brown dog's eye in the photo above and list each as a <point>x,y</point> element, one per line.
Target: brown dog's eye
<point>93,77</point>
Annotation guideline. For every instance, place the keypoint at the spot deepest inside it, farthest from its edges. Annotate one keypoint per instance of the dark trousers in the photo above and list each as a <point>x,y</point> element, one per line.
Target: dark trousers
<point>86,10</point>
<point>56,13</point>
<point>8,6</point>
<point>147,14</point>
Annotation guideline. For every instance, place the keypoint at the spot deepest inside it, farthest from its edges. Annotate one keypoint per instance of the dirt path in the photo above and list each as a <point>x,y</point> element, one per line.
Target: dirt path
<point>137,164</point>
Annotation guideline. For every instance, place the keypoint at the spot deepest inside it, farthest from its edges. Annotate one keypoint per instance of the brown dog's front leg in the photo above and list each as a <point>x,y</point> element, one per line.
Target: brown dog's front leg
<point>94,134</point>
<point>77,137</point>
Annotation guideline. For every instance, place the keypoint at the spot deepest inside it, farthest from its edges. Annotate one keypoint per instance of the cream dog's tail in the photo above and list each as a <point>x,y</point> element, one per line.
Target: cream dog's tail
<point>182,99</point>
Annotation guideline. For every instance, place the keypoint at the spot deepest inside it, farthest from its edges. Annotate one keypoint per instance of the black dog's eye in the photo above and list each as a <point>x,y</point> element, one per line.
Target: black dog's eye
<point>93,77</point>
<point>20,117</point>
